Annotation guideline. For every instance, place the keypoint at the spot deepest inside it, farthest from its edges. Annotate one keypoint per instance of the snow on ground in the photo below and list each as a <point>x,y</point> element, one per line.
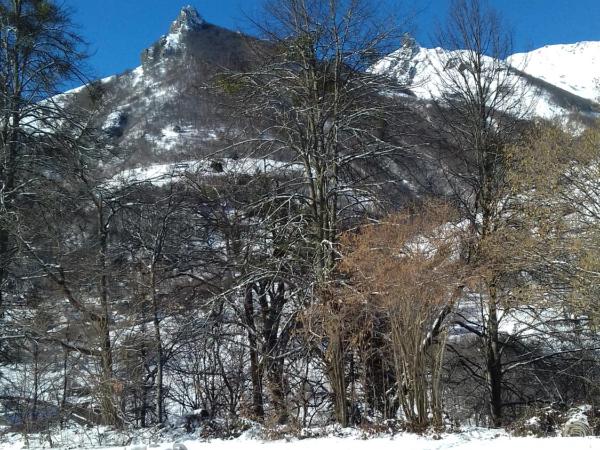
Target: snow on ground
<point>137,76</point>
<point>62,97</point>
<point>473,439</point>
<point>172,137</point>
<point>162,174</point>
<point>173,41</point>
<point>569,66</point>
<point>114,120</point>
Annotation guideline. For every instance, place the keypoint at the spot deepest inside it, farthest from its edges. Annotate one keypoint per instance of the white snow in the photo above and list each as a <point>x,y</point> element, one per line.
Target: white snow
<point>188,19</point>
<point>579,415</point>
<point>137,76</point>
<point>172,41</point>
<point>108,79</point>
<point>79,89</point>
<point>113,120</point>
<point>422,71</point>
<point>162,174</point>
<point>473,439</point>
<point>572,67</point>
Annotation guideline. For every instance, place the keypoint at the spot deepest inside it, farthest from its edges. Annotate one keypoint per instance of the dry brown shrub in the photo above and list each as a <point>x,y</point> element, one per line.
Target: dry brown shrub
<point>406,269</point>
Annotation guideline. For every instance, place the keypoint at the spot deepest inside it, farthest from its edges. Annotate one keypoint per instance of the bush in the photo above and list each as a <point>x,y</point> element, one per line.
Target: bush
<point>538,422</point>
<point>583,420</point>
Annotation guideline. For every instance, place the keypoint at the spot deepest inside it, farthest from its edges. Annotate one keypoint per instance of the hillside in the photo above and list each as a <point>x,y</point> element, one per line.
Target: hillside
<point>301,236</point>
<point>161,111</point>
<point>572,67</point>
<point>424,71</point>
<point>161,114</point>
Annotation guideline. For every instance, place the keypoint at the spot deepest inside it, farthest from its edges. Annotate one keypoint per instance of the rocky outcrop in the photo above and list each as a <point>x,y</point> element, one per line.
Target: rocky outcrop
<point>174,43</point>
<point>188,19</point>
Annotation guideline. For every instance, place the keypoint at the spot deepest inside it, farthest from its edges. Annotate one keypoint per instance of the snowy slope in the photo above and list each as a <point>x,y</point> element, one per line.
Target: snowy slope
<point>420,69</point>
<point>572,67</point>
<point>423,71</point>
<point>157,113</point>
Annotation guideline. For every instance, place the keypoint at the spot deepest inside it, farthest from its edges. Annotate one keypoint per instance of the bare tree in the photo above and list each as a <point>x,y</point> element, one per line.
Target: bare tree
<point>39,52</point>
<point>553,239</point>
<point>311,100</point>
<point>481,107</point>
<point>68,246</point>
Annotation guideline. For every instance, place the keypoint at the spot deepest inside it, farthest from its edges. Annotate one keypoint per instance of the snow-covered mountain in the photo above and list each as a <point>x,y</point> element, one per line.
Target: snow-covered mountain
<point>572,67</point>
<point>424,70</point>
<point>161,112</point>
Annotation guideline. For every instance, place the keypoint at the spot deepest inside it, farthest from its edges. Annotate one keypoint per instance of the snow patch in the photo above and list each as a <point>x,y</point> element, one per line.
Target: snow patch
<point>172,41</point>
<point>115,122</point>
<point>162,174</point>
<point>137,76</point>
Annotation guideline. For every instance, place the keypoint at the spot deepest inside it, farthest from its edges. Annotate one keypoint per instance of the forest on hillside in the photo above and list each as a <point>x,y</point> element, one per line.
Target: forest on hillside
<point>290,277</point>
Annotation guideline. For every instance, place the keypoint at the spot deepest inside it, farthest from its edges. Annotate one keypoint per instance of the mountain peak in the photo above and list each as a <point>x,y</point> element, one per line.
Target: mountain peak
<point>402,63</point>
<point>188,19</point>
<point>410,44</point>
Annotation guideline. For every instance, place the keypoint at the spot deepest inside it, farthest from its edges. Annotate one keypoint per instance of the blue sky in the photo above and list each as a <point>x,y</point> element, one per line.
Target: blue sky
<point>118,30</point>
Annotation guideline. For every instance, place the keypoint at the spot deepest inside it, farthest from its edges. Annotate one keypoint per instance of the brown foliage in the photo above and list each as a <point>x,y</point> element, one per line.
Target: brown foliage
<point>554,176</point>
<point>406,272</point>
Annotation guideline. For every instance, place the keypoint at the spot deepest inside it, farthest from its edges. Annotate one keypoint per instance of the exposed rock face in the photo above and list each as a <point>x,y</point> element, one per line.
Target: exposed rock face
<point>115,124</point>
<point>175,42</point>
<point>405,71</point>
<point>189,19</point>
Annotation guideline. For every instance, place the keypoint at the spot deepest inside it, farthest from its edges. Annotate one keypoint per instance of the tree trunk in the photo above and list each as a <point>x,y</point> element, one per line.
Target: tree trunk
<point>36,382</point>
<point>337,378</point>
<point>65,388</point>
<point>158,349</point>
<point>110,413</point>
<point>255,370</point>
<point>8,174</point>
<point>143,390</point>
<point>271,301</point>
<point>493,361</point>
<point>277,390</point>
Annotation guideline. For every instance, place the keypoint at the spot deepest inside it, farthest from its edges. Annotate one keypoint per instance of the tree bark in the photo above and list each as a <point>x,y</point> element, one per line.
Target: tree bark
<point>255,370</point>
<point>110,411</point>
<point>158,349</point>
<point>493,361</point>
<point>337,378</point>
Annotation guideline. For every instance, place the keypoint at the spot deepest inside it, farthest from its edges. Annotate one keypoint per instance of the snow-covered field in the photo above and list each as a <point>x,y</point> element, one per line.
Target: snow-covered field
<point>474,439</point>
